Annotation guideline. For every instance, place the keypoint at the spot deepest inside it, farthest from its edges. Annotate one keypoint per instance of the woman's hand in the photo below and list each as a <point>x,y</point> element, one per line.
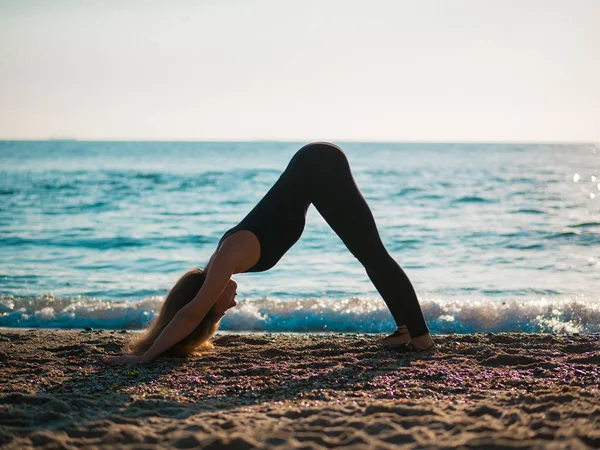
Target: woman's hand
<point>123,360</point>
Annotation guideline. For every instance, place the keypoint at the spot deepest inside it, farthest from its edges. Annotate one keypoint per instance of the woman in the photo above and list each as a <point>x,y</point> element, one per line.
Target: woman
<point>318,173</point>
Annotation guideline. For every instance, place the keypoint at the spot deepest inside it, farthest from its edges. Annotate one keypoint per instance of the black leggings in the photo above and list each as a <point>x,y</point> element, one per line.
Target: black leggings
<point>319,173</point>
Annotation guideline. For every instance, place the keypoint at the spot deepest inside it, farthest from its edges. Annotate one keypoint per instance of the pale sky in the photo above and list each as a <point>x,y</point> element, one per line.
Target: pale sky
<point>420,70</point>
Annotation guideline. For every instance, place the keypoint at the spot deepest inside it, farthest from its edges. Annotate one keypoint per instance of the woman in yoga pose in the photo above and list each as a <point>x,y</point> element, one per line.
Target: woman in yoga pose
<point>318,173</point>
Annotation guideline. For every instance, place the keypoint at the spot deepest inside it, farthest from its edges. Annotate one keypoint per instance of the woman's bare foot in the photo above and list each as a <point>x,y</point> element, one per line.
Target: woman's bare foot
<point>398,337</point>
<point>424,343</point>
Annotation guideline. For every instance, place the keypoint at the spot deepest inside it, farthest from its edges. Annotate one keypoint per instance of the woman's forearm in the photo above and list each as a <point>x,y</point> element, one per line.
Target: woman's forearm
<point>190,316</point>
<point>180,327</point>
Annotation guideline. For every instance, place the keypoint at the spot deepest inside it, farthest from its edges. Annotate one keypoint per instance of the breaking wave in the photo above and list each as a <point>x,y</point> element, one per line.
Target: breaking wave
<point>364,315</point>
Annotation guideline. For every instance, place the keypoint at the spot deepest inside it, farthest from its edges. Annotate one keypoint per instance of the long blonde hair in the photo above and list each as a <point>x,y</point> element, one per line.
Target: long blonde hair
<point>180,295</point>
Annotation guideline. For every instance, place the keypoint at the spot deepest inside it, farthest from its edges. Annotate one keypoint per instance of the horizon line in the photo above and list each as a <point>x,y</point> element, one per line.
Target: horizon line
<point>358,141</point>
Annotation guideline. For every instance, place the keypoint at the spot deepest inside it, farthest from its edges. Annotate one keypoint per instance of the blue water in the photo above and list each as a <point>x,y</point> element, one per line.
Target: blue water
<point>494,237</point>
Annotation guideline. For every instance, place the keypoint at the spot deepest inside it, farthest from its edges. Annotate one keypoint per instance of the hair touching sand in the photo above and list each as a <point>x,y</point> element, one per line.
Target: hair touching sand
<point>180,295</point>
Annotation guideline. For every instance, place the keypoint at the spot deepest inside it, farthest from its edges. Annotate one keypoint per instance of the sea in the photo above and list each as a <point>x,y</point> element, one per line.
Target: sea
<point>494,237</point>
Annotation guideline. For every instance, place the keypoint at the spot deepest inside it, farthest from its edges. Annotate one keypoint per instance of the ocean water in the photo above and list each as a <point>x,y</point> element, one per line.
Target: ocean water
<point>494,237</point>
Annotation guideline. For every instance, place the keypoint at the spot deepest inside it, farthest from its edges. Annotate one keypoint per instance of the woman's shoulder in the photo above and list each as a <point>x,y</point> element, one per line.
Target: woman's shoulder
<point>241,245</point>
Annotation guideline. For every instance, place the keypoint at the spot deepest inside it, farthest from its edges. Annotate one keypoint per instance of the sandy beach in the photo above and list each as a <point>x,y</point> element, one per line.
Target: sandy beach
<point>309,391</point>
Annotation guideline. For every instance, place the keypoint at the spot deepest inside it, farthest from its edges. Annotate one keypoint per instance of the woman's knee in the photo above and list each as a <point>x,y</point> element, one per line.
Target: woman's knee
<point>376,259</point>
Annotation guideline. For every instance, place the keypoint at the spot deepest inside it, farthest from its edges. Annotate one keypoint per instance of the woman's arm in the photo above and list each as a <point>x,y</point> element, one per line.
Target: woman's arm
<point>188,317</point>
<point>219,273</point>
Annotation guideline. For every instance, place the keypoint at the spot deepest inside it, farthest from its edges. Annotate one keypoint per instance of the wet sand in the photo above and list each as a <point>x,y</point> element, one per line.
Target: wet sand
<point>309,391</point>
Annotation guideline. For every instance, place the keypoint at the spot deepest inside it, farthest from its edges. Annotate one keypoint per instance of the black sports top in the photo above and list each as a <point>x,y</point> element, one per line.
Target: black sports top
<point>278,219</point>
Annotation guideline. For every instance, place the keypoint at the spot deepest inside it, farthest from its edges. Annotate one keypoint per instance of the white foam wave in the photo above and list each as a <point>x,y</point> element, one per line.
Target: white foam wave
<point>443,315</point>
<point>79,312</point>
<point>557,315</point>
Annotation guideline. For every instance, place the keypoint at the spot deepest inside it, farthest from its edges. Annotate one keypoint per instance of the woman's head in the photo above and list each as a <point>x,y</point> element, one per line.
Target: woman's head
<point>180,295</point>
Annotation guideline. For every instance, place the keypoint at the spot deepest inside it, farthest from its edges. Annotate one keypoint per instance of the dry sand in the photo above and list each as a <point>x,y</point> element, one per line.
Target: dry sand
<point>307,391</point>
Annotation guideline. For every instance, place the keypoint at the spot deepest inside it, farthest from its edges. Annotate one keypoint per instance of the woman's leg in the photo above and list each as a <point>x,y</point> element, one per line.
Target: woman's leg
<point>334,193</point>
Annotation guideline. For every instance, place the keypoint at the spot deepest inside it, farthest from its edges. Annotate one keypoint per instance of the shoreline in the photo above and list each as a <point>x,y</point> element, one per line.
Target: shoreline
<point>310,333</point>
<point>301,390</point>
<point>220,332</point>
